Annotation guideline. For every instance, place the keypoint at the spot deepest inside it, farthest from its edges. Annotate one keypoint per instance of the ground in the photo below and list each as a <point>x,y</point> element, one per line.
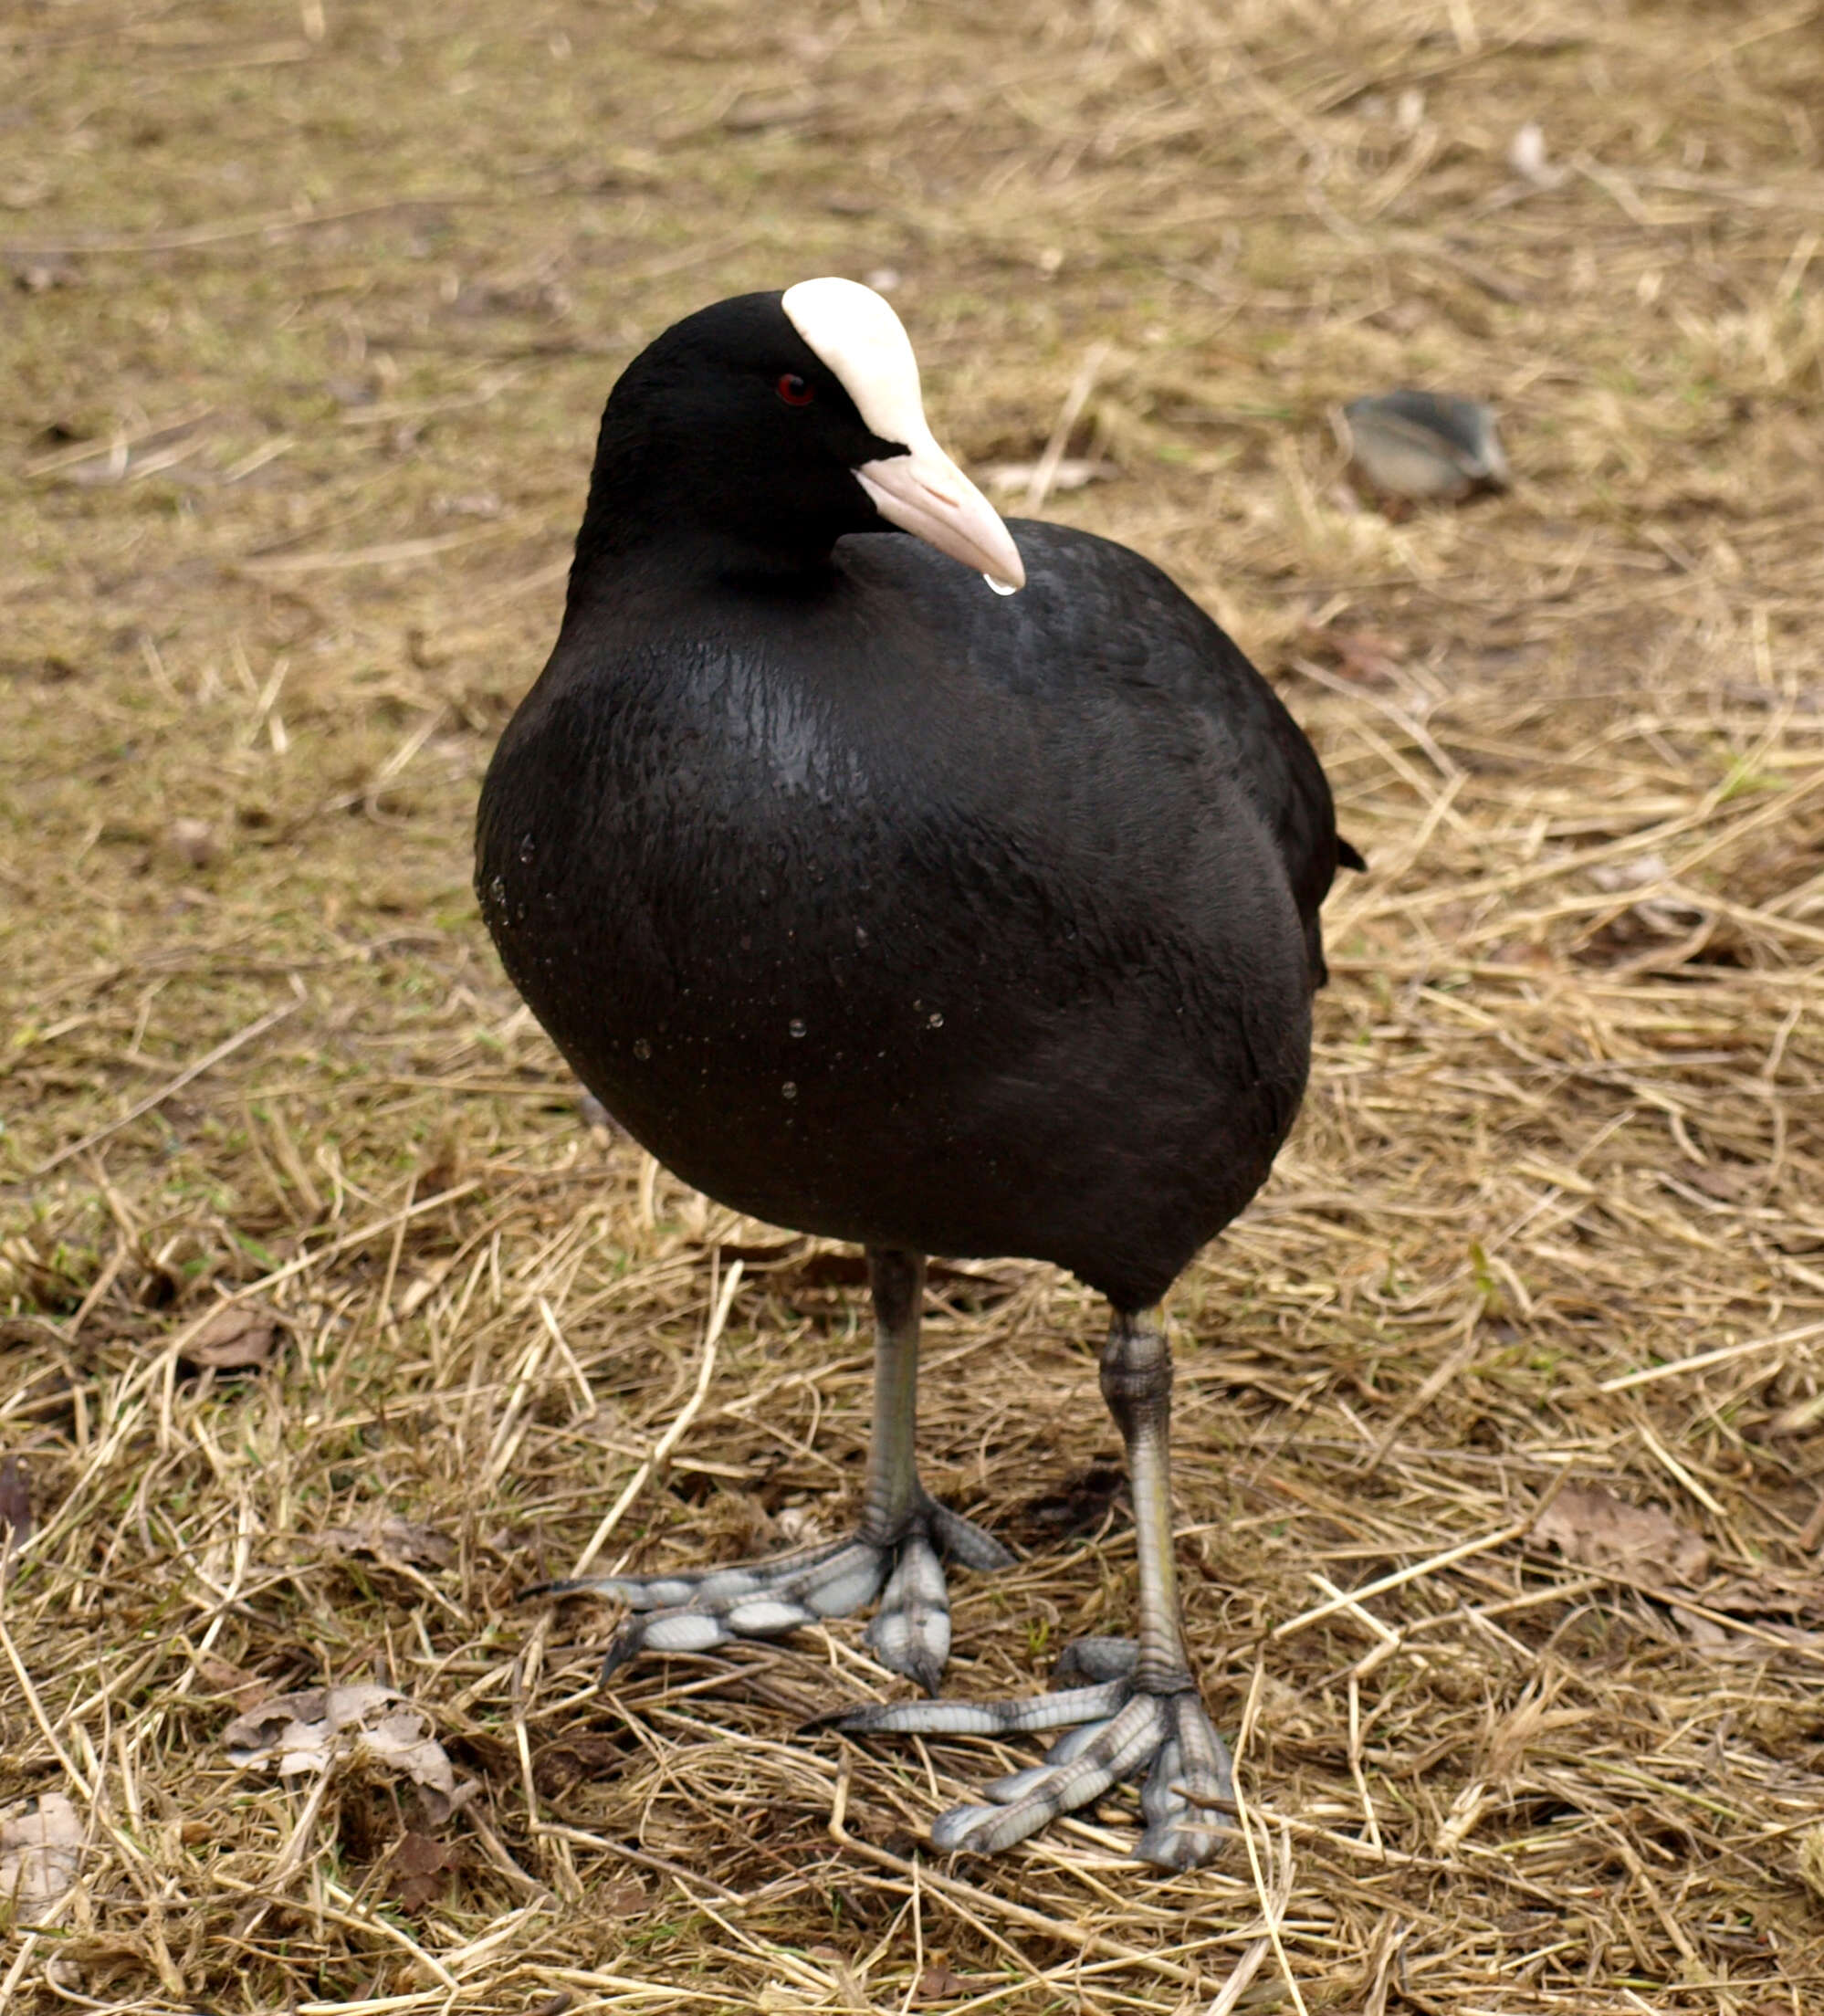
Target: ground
<point>306,320</point>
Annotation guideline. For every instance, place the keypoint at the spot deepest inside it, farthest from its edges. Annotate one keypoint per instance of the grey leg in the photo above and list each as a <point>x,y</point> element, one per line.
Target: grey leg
<point>896,1281</point>
<point>1141,1710</point>
<point>897,1553</point>
<point>1137,1386</point>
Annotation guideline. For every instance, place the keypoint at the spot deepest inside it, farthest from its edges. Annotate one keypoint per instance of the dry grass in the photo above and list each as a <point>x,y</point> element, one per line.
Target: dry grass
<point>308,321</point>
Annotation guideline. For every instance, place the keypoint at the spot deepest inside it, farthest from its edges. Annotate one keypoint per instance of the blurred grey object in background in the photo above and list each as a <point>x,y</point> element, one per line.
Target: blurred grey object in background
<point>1425,445</point>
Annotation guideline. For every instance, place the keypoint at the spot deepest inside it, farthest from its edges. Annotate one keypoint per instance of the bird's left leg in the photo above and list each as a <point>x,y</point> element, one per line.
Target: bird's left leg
<point>1143,1709</point>
<point>897,1553</point>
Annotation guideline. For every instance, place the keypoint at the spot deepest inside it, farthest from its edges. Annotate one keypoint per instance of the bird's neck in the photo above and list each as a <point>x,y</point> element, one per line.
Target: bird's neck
<point>658,515</point>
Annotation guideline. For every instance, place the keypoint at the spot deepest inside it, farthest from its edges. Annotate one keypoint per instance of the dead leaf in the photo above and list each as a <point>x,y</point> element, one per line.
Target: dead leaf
<point>401,1743</point>
<point>259,1727</point>
<point>420,1855</point>
<point>359,1726</point>
<point>420,1871</point>
<point>387,1539</point>
<point>1771,1592</point>
<point>1594,1528</point>
<point>295,1731</point>
<point>241,1688</point>
<point>938,1984</point>
<point>235,1340</point>
<point>1708,1636</point>
<point>16,1503</point>
<point>40,1842</point>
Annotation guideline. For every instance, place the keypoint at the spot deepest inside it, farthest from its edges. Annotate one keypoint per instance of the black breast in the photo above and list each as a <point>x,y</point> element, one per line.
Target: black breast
<point>889,909</point>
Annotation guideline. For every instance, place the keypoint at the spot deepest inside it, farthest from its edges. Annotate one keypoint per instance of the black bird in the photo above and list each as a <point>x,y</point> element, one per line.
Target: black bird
<point>883,902</point>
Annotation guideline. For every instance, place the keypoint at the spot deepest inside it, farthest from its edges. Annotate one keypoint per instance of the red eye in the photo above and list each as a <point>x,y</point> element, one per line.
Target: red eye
<point>795,390</point>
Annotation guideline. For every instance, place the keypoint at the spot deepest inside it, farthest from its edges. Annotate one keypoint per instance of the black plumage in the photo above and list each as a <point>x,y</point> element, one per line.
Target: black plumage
<point>885,907</point>
<point>879,906</point>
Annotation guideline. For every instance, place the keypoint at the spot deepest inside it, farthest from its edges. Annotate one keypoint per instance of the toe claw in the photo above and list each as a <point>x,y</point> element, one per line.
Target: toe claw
<point>1159,1800</point>
<point>951,1830</point>
<point>1209,1775</point>
<point>911,1632</point>
<point>623,1647</point>
<point>661,1631</point>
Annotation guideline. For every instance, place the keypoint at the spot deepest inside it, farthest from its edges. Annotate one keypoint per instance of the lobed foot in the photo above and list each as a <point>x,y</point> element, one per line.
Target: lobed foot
<point>704,1608</point>
<point>1116,1727</point>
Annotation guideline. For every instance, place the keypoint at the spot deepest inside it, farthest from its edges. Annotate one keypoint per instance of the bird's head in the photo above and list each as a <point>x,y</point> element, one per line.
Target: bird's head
<point>783,421</point>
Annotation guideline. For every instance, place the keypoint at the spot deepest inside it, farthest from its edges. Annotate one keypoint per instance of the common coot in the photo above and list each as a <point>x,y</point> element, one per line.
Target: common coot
<point>881,901</point>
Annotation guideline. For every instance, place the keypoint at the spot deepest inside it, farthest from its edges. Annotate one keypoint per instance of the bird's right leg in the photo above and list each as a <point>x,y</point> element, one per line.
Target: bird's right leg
<point>897,1553</point>
<point>1137,1706</point>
